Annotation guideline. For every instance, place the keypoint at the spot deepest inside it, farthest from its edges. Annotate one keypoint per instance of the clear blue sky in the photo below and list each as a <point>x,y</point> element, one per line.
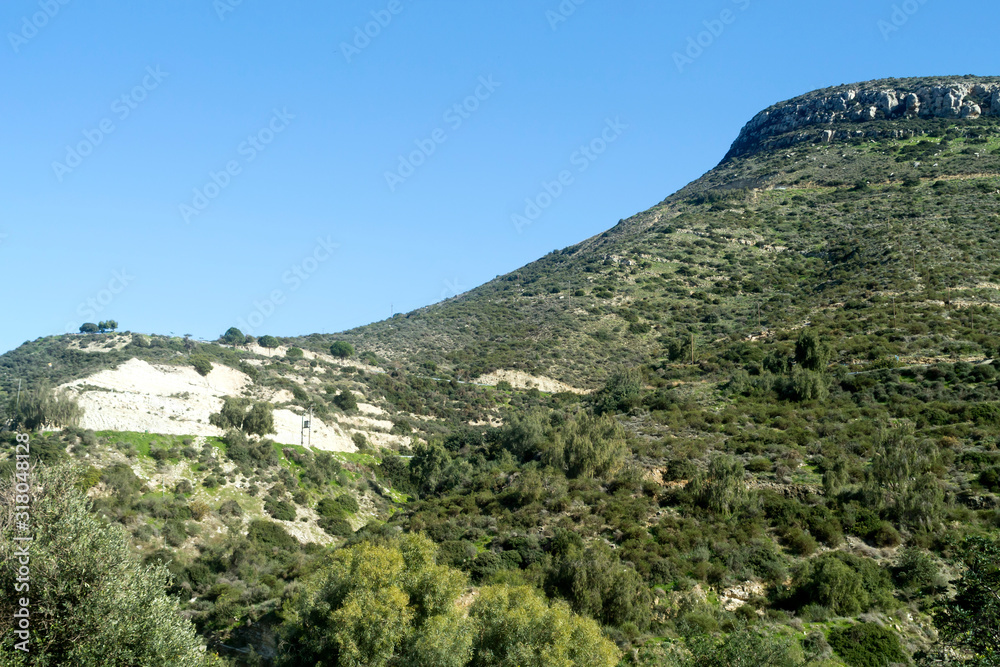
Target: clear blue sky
<point>328,123</point>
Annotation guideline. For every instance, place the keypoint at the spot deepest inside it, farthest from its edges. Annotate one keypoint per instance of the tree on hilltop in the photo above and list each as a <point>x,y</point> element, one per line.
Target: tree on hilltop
<point>268,342</point>
<point>233,336</point>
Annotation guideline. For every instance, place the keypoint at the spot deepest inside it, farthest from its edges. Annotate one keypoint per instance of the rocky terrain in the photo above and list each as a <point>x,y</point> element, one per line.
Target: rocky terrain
<point>849,111</point>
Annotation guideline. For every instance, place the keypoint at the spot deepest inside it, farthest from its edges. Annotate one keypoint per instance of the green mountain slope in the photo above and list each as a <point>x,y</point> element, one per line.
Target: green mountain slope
<point>768,241</point>
<point>788,448</point>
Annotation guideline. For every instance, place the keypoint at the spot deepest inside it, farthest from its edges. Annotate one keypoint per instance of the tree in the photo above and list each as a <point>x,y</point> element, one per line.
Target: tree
<point>92,603</point>
<point>810,352</point>
<point>88,328</point>
<point>589,447</point>
<point>619,394</point>
<point>427,467</point>
<point>517,628</point>
<point>294,354</point>
<point>901,482</point>
<point>723,488</point>
<point>260,420</point>
<point>41,407</point>
<point>107,325</point>
<point>232,414</point>
<point>597,584</point>
<point>342,350</point>
<point>268,342</point>
<point>238,413</point>
<point>968,621</point>
<point>346,400</point>
<point>233,336</point>
<point>374,604</point>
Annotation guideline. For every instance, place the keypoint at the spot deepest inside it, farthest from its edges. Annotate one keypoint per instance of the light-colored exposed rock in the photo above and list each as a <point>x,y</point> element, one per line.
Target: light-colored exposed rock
<point>735,597</point>
<point>175,400</point>
<point>810,117</point>
<point>521,380</point>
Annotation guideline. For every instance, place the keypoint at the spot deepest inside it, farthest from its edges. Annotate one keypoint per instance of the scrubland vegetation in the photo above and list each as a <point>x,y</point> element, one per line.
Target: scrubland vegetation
<point>788,452</point>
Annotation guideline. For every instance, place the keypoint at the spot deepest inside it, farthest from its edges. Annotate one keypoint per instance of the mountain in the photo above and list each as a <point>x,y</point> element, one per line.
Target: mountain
<point>829,205</point>
<point>758,419</point>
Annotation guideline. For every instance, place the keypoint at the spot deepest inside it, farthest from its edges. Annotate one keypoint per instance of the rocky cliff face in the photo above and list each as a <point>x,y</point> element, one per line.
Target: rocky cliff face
<point>853,111</point>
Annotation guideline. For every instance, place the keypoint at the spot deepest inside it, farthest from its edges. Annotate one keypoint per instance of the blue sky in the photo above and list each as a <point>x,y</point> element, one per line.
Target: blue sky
<point>189,167</point>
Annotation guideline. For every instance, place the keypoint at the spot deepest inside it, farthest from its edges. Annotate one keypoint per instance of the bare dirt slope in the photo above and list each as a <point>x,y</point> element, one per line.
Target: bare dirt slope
<point>175,400</point>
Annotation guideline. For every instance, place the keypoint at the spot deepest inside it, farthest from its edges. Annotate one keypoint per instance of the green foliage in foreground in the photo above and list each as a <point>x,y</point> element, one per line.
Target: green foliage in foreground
<point>91,601</point>
<point>969,621</point>
<point>390,603</point>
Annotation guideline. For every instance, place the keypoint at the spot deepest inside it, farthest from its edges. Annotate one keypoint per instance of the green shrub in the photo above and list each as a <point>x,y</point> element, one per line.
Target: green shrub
<point>336,526</point>
<point>201,363</point>
<point>619,394</point>
<point>346,401</point>
<point>341,350</point>
<point>349,503</point>
<point>360,441</point>
<point>916,571</point>
<point>845,583</point>
<point>333,508</point>
<point>230,508</point>
<point>279,509</point>
<point>867,645</point>
<point>270,534</point>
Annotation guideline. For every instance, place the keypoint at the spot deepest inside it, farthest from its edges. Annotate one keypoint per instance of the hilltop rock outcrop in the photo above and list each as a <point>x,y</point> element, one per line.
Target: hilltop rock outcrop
<point>844,111</point>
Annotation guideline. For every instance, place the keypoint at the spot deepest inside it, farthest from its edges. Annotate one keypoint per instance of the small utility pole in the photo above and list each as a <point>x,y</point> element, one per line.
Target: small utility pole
<point>306,425</point>
<point>17,402</point>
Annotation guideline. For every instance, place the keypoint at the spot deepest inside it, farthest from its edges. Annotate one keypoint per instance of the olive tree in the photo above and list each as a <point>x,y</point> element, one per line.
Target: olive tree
<point>91,601</point>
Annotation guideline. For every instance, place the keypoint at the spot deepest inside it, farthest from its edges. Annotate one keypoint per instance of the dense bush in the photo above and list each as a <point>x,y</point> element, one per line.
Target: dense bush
<point>270,534</point>
<point>844,583</point>
<point>341,350</point>
<point>346,401</point>
<point>867,645</point>
<point>201,363</point>
<point>279,509</point>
